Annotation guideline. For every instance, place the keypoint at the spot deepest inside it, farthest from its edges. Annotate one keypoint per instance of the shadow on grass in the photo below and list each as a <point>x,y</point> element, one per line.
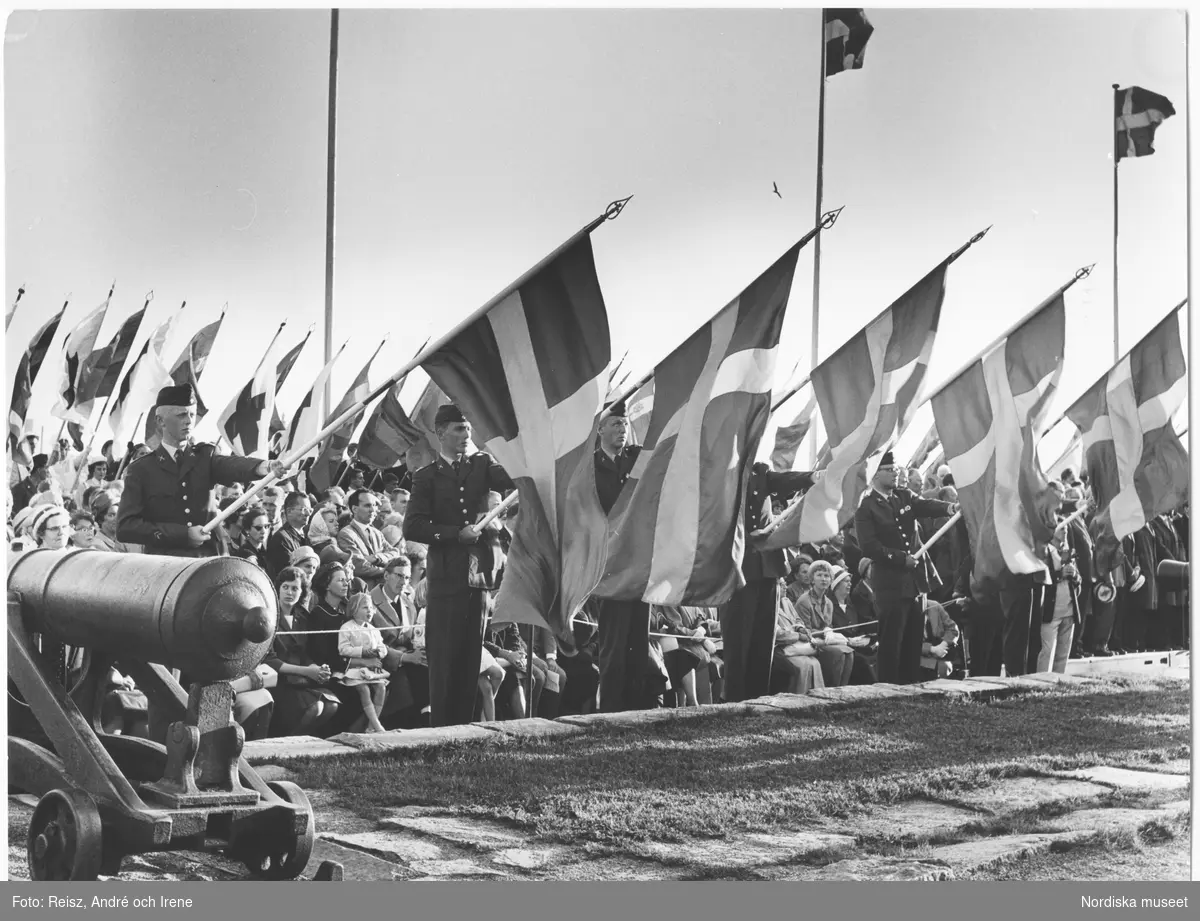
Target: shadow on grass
<point>711,777</point>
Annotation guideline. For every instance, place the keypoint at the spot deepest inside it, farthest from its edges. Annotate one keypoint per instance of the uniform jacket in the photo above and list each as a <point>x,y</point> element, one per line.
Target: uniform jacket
<point>612,474</point>
<point>162,498</point>
<point>445,501</point>
<point>886,527</point>
<point>763,485</point>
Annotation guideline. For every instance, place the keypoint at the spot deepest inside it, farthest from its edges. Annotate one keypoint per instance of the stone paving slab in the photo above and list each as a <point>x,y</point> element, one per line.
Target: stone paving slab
<point>415,738</point>
<point>1089,821</point>
<point>455,869</point>
<point>749,851</point>
<point>789,703</point>
<point>478,834</point>
<point>1057,678</point>
<point>390,846</point>
<point>264,751</point>
<point>626,718</point>
<point>533,728</point>
<point>530,858</point>
<point>884,869</point>
<point>1013,794</point>
<point>731,709</point>
<point>356,864</point>
<point>979,689</point>
<point>915,817</point>
<point>1125,779</point>
<point>857,692</point>
<point>989,852</point>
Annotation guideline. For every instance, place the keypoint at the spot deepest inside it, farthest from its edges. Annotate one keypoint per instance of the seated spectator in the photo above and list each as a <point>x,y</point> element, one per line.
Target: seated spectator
<point>83,526</point>
<point>303,702</point>
<point>581,669</point>
<point>799,581</point>
<point>815,611</point>
<point>396,617</point>
<point>845,621</point>
<point>322,526</point>
<point>289,537</point>
<point>331,591</point>
<point>794,669</point>
<point>50,527</point>
<point>688,653</point>
<point>361,643</point>
<point>505,644</point>
<point>941,651</point>
<point>252,545</point>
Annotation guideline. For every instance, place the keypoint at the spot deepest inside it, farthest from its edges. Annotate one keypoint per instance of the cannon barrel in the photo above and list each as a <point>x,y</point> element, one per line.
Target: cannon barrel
<point>212,618</point>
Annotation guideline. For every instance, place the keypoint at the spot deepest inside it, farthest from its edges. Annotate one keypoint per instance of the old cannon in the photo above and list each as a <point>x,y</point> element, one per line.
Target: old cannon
<point>105,796</point>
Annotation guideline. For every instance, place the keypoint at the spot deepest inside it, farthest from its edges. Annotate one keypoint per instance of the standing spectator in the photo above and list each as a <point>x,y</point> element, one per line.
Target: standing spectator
<point>1060,608</point>
<point>290,536</point>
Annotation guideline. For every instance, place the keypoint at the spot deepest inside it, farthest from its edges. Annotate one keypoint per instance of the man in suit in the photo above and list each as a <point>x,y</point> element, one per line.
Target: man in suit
<point>363,541</point>
<point>624,631</point>
<point>748,619</point>
<point>885,525</point>
<point>395,615</point>
<point>448,497</point>
<point>282,545</point>
<point>168,494</point>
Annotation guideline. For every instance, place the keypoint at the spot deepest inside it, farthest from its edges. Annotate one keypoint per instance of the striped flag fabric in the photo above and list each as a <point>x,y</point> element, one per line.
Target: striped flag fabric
<point>333,448</point>
<point>926,448</point>
<point>865,391</point>
<point>12,311</point>
<point>245,421</point>
<point>789,437</point>
<point>638,409</point>
<point>190,365</point>
<point>27,371</point>
<point>846,34</point>
<point>282,370</point>
<point>389,433</point>
<point>676,532</point>
<point>531,375</point>
<point>101,371</point>
<point>424,451</point>
<point>147,375</point>
<point>991,418</point>
<point>1069,457</point>
<point>1139,113</point>
<point>1137,466</point>
<point>309,417</point>
<point>79,345</point>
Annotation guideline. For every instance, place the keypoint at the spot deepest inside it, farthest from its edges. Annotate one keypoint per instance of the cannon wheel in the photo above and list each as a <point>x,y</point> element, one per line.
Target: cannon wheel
<point>65,837</point>
<point>287,858</point>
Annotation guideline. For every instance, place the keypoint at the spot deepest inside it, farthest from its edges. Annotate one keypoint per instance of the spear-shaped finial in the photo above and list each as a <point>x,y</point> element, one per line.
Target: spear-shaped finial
<point>615,208</point>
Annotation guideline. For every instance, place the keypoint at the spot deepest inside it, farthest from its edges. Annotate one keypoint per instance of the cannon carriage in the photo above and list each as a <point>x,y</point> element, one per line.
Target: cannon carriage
<point>104,796</point>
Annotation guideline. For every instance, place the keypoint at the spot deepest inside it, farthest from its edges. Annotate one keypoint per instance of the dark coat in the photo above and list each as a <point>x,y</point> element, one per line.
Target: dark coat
<point>280,547</point>
<point>764,484</point>
<point>443,502</point>
<point>886,532</point>
<point>163,499</point>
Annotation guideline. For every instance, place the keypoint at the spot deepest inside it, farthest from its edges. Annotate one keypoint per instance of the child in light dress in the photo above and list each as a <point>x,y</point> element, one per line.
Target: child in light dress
<point>362,644</point>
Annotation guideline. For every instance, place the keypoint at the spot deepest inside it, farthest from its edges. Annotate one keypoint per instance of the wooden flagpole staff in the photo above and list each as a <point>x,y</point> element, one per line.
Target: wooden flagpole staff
<point>292,457</point>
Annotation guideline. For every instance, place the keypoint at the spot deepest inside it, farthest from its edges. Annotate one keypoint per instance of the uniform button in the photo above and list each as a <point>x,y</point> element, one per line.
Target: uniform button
<point>462,489</point>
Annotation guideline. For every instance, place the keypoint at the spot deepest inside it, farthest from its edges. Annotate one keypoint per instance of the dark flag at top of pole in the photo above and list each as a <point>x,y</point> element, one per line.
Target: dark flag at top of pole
<point>1139,112</point>
<point>846,35</point>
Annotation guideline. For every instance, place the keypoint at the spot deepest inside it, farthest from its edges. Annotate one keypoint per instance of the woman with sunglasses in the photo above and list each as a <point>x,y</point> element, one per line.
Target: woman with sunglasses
<point>252,544</point>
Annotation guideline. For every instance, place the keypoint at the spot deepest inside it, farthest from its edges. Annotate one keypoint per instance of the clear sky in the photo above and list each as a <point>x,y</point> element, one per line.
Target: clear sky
<point>184,152</point>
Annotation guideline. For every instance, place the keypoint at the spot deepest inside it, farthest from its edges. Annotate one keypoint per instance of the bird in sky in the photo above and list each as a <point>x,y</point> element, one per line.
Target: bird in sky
<point>775,189</point>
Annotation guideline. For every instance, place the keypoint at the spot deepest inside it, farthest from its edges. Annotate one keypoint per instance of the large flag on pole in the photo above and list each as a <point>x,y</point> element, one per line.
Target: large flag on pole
<point>102,369</point>
<point>1139,113</point>
<point>190,365</point>
<point>147,375</point>
<point>27,372</point>
<point>245,421</point>
<point>531,375</point>
<point>333,449</point>
<point>846,34</point>
<point>789,437</point>
<point>990,418</point>
<point>676,532</point>
<point>1137,466</point>
<point>311,414</point>
<point>282,370</point>
<point>865,391</point>
<point>79,345</point>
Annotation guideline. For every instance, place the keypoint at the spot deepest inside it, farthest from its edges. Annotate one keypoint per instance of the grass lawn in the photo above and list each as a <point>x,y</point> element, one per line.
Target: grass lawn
<point>721,775</point>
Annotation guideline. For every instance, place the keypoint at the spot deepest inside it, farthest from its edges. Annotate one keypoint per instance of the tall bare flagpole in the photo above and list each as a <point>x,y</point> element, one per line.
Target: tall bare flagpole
<point>1116,316</point>
<point>330,177</point>
<point>816,299</point>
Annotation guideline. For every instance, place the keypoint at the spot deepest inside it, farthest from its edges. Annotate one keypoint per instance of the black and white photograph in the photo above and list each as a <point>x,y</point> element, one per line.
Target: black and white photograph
<point>606,445</point>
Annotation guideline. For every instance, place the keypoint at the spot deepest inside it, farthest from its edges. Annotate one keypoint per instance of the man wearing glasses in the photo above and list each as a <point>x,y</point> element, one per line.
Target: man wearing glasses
<point>168,494</point>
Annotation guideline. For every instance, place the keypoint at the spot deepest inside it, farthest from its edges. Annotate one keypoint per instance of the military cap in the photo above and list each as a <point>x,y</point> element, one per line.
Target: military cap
<point>182,395</point>
<point>448,413</point>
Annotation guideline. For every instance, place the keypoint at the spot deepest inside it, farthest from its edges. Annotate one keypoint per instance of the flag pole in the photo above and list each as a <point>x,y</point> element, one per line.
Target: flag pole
<point>1116,159</point>
<point>613,210</point>
<point>816,298</point>
<point>12,311</point>
<point>330,179</point>
<point>824,222</point>
<point>1079,275</point>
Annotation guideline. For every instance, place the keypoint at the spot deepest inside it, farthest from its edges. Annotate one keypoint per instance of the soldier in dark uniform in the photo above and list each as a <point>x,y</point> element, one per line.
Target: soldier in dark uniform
<point>448,497</point>
<point>168,493</point>
<point>624,626</point>
<point>885,526</point>
<point>748,619</point>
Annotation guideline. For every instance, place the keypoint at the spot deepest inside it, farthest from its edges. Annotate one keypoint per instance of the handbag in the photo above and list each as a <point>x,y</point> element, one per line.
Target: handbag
<point>361,662</point>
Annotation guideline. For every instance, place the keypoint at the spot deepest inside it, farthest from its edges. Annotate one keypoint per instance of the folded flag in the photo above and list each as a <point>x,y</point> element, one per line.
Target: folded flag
<point>846,34</point>
<point>1137,466</point>
<point>531,375</point>
<point>676,531</point>
<point>865,391</point>
<point>990,418</point>
<point>1139,113</point>
<point>27,372</point>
